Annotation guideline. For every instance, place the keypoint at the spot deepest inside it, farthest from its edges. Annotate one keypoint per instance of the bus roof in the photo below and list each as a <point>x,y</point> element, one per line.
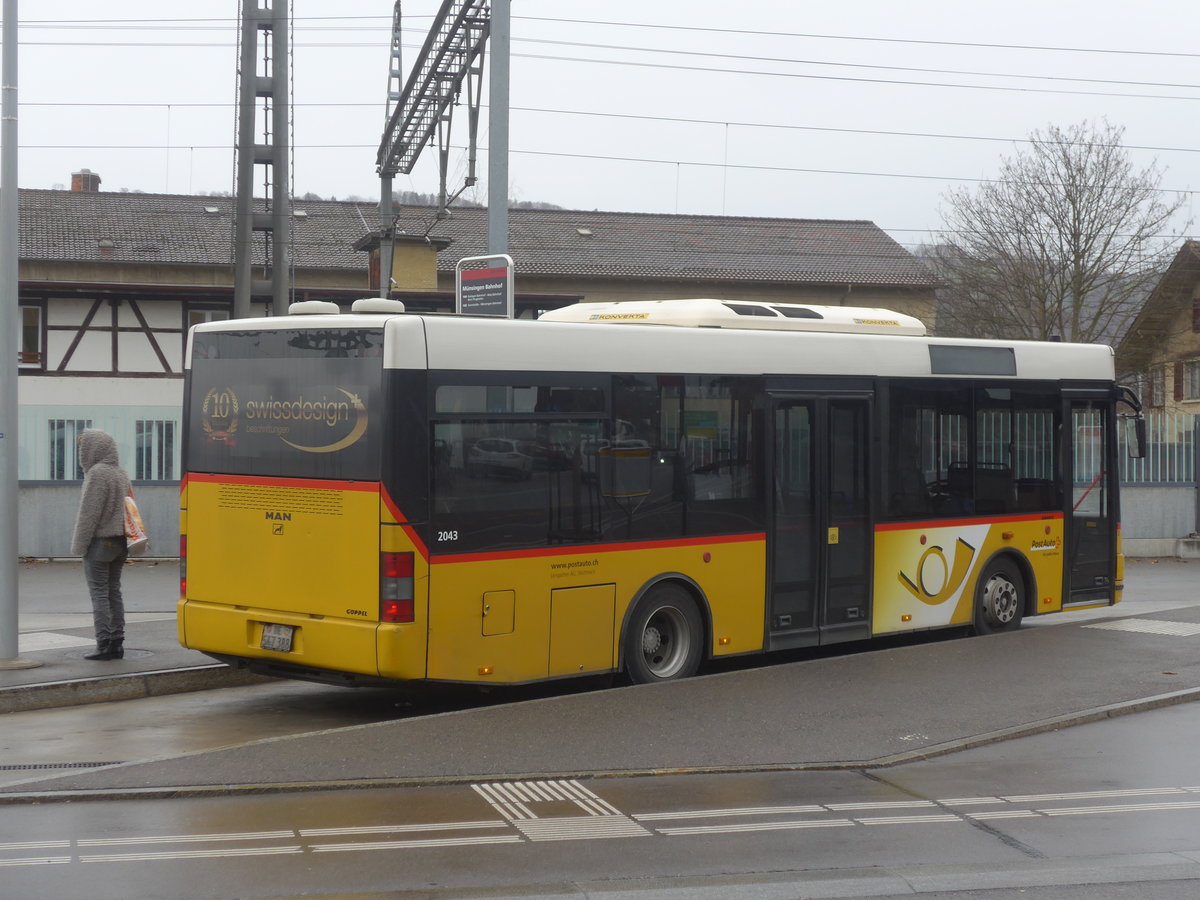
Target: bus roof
<point>521,345</point>
<point>741,314</point>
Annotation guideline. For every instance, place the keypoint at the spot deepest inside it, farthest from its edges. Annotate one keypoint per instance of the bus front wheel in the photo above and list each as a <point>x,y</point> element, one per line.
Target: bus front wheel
<point>999,598</point>
<point>665,636</point>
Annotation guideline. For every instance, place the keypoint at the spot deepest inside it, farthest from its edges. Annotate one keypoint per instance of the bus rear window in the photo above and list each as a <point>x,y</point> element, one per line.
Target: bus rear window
<point>297,403</point>
<point>295,343</point>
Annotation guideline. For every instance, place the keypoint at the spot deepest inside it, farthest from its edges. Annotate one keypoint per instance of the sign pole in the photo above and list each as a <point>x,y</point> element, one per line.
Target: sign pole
<point>10,321</point>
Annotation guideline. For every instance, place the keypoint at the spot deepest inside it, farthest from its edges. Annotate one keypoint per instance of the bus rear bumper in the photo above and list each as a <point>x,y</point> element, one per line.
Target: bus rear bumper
<point>326,649</point>
<point>280,669</point>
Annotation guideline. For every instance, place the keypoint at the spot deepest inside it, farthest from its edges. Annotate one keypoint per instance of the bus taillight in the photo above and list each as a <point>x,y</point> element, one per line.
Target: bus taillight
<point>396,587</point>
<point>183,566</point>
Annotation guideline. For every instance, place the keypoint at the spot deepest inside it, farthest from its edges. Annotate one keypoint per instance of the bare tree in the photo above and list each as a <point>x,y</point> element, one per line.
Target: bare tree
<point>1066,242</point>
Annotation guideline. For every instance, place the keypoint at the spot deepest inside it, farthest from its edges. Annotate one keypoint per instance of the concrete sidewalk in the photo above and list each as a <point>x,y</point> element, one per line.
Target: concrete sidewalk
<point>55,629</point>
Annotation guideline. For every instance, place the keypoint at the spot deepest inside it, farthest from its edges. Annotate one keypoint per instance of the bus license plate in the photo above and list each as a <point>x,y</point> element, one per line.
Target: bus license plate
<point>277,638</point>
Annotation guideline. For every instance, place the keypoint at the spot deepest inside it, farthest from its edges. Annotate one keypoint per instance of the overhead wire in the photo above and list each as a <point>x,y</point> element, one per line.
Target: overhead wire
<point>207,24</point>
<point>384,21</point>
<point>641,117</point>
<point>729,71</point>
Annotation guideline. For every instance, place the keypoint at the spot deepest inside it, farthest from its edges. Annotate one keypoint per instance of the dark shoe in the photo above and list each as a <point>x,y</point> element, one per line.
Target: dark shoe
<point>116,649</point>
<point>105,652</point>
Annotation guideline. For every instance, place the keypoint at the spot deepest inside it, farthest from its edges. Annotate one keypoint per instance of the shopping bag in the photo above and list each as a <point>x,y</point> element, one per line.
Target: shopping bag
<point>136,538</point>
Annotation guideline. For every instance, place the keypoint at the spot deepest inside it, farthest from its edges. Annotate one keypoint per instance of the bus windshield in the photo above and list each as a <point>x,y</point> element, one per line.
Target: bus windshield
<point>285,400</point>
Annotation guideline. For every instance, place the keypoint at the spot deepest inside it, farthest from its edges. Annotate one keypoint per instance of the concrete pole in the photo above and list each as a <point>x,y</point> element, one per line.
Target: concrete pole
<point>387,236</point>
<point>9,329</point>
<point>281,196</point>
<point>498,128</point>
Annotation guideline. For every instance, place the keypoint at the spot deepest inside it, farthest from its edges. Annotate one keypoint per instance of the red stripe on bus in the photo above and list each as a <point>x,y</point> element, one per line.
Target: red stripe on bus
<point>958,523</point>
<point>309,483</point>
<point>486,556</point>
<point>397,513</point>
<point>402,521</point>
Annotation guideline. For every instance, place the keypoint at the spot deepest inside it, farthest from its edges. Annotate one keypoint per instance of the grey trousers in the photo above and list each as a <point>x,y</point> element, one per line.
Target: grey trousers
<point>102,570</point>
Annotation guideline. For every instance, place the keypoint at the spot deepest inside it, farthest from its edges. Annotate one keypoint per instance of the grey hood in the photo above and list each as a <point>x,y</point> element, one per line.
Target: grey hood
<point>96,446</point>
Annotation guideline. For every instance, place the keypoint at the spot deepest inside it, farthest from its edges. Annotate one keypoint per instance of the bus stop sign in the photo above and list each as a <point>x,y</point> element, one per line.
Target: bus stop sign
<point>486,291</point>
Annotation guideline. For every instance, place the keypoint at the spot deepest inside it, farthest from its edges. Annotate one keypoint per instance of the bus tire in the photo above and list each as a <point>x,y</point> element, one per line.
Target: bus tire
<point>664,639</point>
<point>999,598</point>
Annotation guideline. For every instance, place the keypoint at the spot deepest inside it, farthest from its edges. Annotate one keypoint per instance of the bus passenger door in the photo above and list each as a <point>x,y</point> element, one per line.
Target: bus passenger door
<point>820,529</point>
<point>1091,563</point>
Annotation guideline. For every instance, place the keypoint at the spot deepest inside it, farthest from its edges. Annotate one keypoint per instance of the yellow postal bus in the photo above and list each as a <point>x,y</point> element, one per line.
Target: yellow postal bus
<point>632,487</point>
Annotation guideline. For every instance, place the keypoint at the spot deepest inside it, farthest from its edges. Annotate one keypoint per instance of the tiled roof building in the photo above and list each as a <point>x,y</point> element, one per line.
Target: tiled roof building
<point>176,241</point>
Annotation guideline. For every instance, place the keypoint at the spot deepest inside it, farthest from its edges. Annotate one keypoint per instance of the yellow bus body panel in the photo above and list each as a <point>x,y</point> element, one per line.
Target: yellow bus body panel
<point>511,618</point>
<point>280,546</point>
<point>926,574</point>
<point>317,642</point>
<point>1119,593</point>
<point>304,554</point>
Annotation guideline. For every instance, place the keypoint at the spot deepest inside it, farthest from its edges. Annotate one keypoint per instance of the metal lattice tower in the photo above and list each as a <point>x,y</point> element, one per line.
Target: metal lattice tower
<point>451,54</point>
<point>263,76</point>
<point>450,61</point>
<point>396,71</point>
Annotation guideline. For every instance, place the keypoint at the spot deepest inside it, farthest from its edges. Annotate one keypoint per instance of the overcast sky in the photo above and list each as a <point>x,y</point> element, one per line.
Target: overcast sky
<point>866,110</point>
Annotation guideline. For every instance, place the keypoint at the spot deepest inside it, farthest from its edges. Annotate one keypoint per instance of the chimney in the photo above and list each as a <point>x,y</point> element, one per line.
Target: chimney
<point>85,181</point>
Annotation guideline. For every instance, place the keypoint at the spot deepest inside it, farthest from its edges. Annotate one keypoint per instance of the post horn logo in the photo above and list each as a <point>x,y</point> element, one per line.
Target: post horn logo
<point>938,581</point>
<point>220,412</point>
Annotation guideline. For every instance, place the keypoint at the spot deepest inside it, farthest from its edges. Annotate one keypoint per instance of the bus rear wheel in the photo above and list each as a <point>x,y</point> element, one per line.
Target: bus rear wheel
<point>664,639</point>
<point>999,598</point>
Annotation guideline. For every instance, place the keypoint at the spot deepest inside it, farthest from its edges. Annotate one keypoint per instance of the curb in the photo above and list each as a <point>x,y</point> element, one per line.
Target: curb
<point>177,792</point>
<point>132,686</point>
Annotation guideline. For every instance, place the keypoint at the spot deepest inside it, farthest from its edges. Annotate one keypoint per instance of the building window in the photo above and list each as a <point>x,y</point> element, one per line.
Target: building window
<point>64,458</point>
<point>1191,380</point>
<point>154,450</point>
<point>198,315</point>
<point>1158,387</point>
<point>29,348</point>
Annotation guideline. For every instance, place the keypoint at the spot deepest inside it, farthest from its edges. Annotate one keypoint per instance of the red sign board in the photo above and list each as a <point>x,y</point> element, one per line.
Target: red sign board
<point>485,292</point>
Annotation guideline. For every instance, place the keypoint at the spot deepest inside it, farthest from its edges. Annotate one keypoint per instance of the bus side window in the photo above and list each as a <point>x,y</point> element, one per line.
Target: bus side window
<point>929,430</point>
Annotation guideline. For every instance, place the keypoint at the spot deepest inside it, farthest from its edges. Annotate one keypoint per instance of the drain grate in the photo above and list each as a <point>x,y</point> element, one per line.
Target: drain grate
<point>26,767</point>
<point>1151,626</point>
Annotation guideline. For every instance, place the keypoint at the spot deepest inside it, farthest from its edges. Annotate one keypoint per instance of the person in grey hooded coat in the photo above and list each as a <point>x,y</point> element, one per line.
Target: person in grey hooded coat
<point>100,538</point>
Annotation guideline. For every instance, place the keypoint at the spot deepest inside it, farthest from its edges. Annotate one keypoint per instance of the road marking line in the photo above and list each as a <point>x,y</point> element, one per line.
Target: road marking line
<point>36,861</point>
<point>188,838</point>
<point>899,804</point>
<point>35,845</point>
<point>393,829</point>
<point>1150,626</point>
<point>510,798</point>
<point>686,830</point>
<point>32,641</point>
<point>581,828</point>
<point>743,811</point>
<point>416,844</point>
<point>908,820</point>
<point>220,853</point>
<point>582,796</point>
<point>1095,795</point>
<point>1132,807</point>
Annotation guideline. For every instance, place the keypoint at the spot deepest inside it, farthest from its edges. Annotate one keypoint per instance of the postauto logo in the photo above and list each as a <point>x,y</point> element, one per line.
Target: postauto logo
<point>323,421</point>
